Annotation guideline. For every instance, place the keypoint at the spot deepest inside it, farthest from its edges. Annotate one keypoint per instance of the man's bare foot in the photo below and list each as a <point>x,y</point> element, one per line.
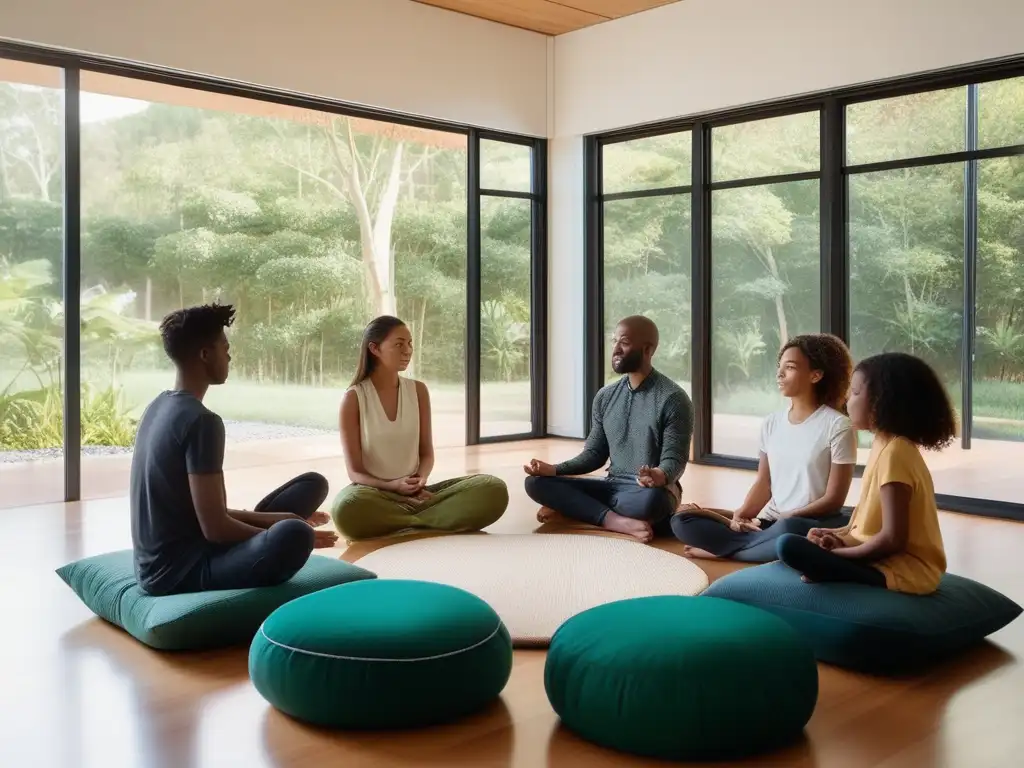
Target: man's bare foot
<point>806,580</point>
<point>638,529</point>
<point>546,515</point>
<point>703,554</point>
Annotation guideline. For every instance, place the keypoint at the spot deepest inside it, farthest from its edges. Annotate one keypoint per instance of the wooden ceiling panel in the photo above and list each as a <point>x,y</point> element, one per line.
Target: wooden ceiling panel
<point>616,9</point>
<point>550,17</point>
<point>545,16</point>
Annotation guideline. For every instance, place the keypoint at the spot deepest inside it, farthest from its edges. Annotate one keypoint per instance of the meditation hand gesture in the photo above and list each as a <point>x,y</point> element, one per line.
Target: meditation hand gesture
<point>825,538</point>
<point>407,486</point>
<point>740,524</point>
<point>537,468</point>
<point>651,477</point>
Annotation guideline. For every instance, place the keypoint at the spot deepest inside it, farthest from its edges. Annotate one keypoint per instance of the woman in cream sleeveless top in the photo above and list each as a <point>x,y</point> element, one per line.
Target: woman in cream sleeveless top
<point>390,448</point>
<point>387,440</point>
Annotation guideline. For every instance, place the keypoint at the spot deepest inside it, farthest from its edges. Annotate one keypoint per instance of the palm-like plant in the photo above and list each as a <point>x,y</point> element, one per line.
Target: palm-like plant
<point>1005,342</point>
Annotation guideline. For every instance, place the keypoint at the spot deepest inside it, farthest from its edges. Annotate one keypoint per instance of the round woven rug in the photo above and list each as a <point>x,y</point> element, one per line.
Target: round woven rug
<point>536,582</point>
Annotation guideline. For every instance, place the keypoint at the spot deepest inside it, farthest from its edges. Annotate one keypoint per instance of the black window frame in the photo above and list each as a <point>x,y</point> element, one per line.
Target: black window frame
<point>833,175</point>
<point>538,284</point>
<point>73,64</point>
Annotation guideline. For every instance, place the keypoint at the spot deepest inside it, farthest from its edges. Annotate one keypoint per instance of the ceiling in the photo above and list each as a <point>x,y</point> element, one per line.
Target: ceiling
<point>550,17</point>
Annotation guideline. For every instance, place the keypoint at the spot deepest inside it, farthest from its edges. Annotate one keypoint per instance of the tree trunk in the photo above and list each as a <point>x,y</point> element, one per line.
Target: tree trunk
<point>420,325</point>
<point>384,259</point>
<point>374,230</point>
<point>780,308</point>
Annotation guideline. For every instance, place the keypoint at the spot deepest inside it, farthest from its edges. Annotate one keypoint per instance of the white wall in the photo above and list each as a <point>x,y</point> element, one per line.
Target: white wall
<point>698,56</point>
<point>391,54</point>
<point>701,55</point>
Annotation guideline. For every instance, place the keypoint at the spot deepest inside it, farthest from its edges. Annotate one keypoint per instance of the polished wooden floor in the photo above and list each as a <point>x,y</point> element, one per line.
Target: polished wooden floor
<point>76,692</point>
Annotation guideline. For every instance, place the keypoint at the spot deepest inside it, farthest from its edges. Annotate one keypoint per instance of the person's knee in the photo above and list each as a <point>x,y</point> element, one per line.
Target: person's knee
<point>681,524</point>
<point>292,541</point>
<point>797,526</point>
<point>318,486</point>
<point>788,546</point>
<point>657,504</point>
<point>345,508</point>
<point>536,486</point>
<point>490,497</point>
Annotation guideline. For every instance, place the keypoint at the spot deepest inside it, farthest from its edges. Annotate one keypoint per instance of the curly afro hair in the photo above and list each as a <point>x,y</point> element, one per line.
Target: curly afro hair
<point>185,332</point>
<point>907,399</point>
<point>828,354</point>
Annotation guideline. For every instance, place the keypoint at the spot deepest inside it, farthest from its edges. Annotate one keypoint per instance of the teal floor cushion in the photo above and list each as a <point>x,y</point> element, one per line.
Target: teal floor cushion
<point>382,654</point>
<point>872,629</point>
<point>681,678</point>
<point>196,620</point>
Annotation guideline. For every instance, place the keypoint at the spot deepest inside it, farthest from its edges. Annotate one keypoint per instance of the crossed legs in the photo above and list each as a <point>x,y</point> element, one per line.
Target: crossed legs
<point>616,505</point>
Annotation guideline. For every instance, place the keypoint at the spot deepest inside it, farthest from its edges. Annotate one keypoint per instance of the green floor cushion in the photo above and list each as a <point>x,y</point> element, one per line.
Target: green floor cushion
<point>195,620</point>
<point>681,678</point>
<point>382,654</point>
<point>872,629</point>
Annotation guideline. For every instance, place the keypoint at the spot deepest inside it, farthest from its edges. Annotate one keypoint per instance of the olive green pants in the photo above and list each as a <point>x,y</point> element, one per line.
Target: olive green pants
<point>458,505</point>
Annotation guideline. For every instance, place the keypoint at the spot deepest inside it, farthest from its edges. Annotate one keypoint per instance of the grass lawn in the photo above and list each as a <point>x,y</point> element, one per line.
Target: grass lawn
<point>998,406</point>
<point>316,407</point>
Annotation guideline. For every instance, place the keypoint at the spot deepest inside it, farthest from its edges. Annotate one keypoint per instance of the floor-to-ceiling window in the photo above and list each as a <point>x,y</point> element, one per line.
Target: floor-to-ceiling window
<point>890,215</point>
<point>309,218</point>
<point>308,223</point>
<point>935,197</point>
<point>31,282</point>
<point>646,235</point>
<point>510,190</point>
<point>765,282</point>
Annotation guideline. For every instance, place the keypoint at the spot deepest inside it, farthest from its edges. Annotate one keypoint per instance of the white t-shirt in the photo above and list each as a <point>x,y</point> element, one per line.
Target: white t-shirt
<point>800,456</point>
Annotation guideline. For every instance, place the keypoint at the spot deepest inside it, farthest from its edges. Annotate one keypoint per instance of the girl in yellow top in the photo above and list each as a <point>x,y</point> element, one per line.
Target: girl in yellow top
<point>893,538</point>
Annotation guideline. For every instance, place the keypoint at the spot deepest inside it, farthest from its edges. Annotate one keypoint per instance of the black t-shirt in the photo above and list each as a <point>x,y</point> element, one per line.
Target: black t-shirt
<point>177,436</point>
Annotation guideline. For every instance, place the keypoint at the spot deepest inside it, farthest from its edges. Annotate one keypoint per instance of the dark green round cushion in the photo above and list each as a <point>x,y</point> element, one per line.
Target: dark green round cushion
<point>681,678</point>
<point>381,654</point>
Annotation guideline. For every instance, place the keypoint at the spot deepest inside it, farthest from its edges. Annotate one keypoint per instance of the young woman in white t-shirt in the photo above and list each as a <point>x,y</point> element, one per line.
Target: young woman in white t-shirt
<point>387,439</point>
<point>807,455</point>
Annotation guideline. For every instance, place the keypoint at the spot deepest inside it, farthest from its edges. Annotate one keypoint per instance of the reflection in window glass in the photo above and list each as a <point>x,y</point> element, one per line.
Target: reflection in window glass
<point>765,289</point>
<point>655,162</point>
<point>506,167</point>
<point>778,145</point>
<point>31,285</point>
<point>191,197</point>
<point>918,125</point>
<point>505,395</point>
<point>1001,113</point>
<point>647,272</point>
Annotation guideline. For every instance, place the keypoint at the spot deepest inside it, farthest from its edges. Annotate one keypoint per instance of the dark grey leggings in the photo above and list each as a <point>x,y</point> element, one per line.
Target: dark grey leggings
<point>268,558</point>
<point>588,499</point>
<point>748,546</point>
<point>817,564</point>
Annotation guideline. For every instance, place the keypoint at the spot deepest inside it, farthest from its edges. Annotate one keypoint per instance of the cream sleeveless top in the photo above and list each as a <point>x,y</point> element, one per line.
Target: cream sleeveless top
<point>391,449</point>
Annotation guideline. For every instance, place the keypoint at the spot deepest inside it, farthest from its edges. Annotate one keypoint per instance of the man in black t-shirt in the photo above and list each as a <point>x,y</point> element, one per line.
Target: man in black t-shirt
<point>184,536</point>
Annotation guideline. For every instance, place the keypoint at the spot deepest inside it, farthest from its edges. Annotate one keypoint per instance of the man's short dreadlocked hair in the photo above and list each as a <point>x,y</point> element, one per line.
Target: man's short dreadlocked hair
<point>187,331</point>
<point>828,354</point>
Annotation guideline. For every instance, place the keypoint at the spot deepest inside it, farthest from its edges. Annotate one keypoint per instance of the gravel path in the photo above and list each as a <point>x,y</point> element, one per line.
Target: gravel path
<point>236,431</point>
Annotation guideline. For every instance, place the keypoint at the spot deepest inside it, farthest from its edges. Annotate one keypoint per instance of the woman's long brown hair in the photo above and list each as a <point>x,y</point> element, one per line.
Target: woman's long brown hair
<point>374,333</point>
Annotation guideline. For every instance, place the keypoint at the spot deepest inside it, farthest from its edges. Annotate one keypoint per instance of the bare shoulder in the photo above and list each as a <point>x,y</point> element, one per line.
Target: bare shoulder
<point>350,401</point>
